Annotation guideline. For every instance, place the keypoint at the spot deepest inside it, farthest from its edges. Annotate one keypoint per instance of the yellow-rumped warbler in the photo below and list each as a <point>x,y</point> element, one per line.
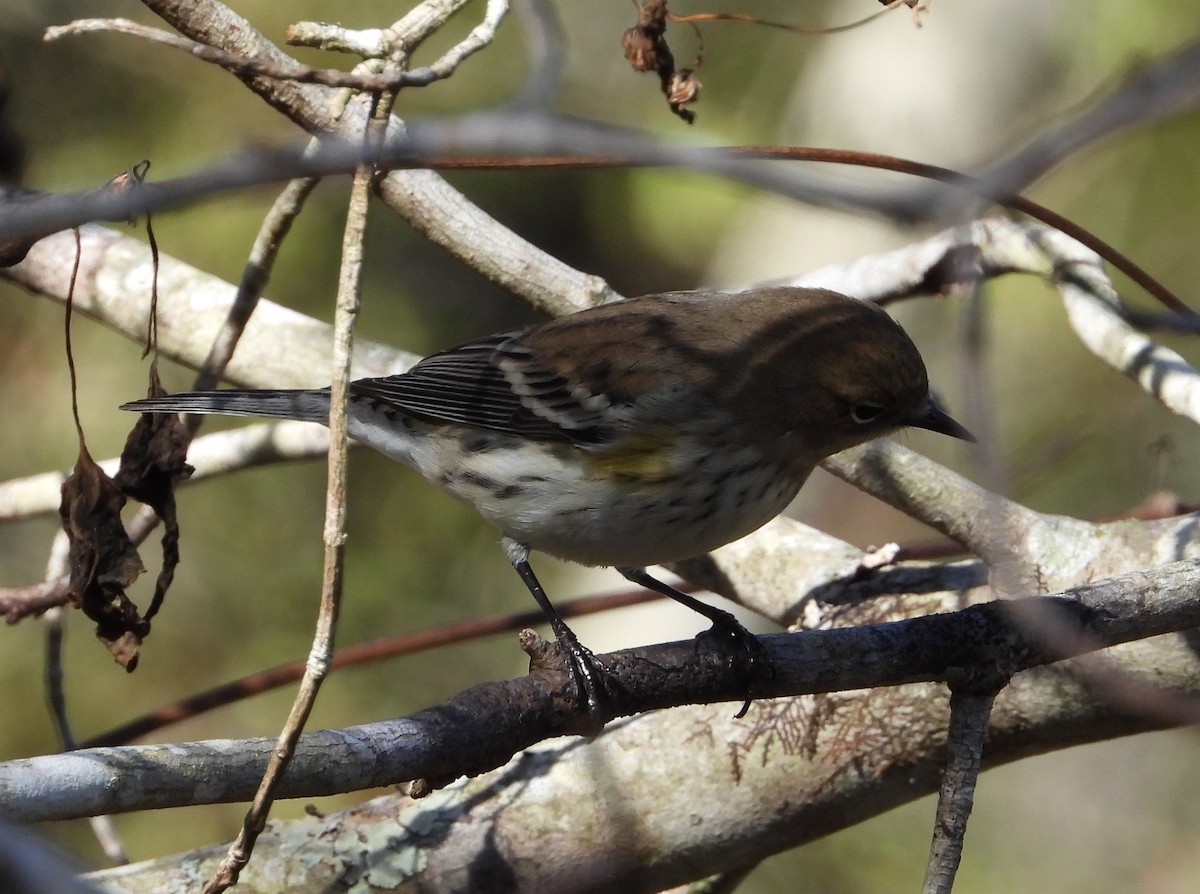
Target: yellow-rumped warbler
<point>636,433</point>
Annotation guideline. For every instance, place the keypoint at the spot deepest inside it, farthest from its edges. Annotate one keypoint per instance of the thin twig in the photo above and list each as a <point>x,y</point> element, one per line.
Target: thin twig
<point>544,141</point>
<point>969,712</point>
<point>321,654</point>
<point>56,700</point>
<point>546,40</point>
<point>784,26</point>
<point>255,275</point>
<point>853,158</point>
<point>511,134</point>
<point>23,602</point>
<point>243,65</point>
<point>311,34</point>
<point>398,41</point>
<point>214,454</point>
<point>480,37</point>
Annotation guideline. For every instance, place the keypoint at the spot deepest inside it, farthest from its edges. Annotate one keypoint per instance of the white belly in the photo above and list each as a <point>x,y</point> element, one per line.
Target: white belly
<point>582,510</point>
<point>639,504</point>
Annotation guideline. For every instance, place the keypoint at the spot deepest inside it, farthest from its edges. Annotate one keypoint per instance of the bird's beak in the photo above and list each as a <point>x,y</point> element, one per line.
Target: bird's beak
<point>934,418</point>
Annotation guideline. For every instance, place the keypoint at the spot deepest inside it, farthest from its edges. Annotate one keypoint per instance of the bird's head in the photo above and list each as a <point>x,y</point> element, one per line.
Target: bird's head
<point>835,372</point>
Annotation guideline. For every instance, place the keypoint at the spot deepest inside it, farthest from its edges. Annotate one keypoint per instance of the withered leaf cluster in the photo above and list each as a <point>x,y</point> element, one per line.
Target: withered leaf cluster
<point>646,49</point>
<point>103,559</point>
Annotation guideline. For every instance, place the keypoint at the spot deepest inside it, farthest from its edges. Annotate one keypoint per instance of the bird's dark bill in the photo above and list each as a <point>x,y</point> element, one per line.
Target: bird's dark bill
<point>934,418</point>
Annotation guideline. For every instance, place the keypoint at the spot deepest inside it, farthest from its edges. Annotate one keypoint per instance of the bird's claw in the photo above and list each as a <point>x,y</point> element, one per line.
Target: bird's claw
<point>744,654</point>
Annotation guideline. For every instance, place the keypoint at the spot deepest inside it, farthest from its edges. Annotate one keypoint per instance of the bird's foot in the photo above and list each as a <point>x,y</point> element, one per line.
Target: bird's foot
<point>744,654</point>
<point>590,681</point>
<point>590,684</point>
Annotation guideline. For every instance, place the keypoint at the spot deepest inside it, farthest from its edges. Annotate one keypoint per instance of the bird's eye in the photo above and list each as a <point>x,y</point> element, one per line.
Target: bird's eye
<point>864,414</point>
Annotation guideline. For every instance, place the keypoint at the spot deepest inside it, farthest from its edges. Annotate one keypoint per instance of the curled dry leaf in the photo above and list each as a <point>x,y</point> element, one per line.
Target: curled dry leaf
<point>640,51</point>
<point>682,90</point>
<point>102,558</point>
<point>645,47</point>
<point>643,44</point>
<point>152,463</point>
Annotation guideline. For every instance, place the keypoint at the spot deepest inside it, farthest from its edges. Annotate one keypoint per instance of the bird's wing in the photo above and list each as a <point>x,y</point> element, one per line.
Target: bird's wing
<point>494,383</point>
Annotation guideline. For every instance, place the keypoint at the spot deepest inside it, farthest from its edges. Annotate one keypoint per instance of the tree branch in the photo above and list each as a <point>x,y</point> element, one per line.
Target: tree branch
<point>483,727</point>
<point>622,812</point>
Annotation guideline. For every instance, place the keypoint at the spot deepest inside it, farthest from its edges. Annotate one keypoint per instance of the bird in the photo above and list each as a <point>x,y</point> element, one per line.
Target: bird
<point>636,433</point>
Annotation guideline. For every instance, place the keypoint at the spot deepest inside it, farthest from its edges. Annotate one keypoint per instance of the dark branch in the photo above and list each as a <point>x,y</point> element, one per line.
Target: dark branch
<point>483,727</point>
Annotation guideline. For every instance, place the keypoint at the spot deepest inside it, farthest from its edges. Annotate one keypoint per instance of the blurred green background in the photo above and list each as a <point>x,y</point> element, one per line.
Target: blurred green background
<point>1071,436</point>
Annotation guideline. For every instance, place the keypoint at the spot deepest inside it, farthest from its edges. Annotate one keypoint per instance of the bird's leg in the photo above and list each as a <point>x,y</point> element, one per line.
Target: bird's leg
<point>750,659</point>
<point>586,674</point>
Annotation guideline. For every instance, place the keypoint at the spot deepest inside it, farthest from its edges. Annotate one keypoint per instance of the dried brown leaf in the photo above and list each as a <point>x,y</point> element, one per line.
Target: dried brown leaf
<point>102,558</point>
<point>152,463</point>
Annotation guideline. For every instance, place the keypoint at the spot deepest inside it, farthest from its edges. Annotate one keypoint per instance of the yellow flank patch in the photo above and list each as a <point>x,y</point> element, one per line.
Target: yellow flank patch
<point>647,457</point>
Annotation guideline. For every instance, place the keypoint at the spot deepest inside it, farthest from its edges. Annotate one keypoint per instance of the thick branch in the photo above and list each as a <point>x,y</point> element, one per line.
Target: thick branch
<point>280,348</point>
<point>424,199</point>
<point>483,727</point>
<point>623,813</point>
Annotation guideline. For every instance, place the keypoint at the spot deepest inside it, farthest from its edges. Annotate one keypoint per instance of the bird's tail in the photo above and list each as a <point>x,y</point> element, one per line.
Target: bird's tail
<point>306,405</point>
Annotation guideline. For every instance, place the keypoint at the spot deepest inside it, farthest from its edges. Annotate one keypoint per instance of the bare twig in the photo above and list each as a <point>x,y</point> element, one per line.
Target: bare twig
<point>1095,311</point>
<point>544,34</point>
<point>858,158</point>
<point>214,454</point>
<point>429,144</point>
<point>480,36</point>
<point>398,41</point>
<point>507,133</point>
<point>23,602</point>
<point>321,654</point>
<point>255,274</point>
<point>248,66</point>
<point>1160,371</point>
<point>280,347</point>
<point>1165,87</point>
<point>785,26</point>
<point>56,700</point>
<point>970,708</point>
